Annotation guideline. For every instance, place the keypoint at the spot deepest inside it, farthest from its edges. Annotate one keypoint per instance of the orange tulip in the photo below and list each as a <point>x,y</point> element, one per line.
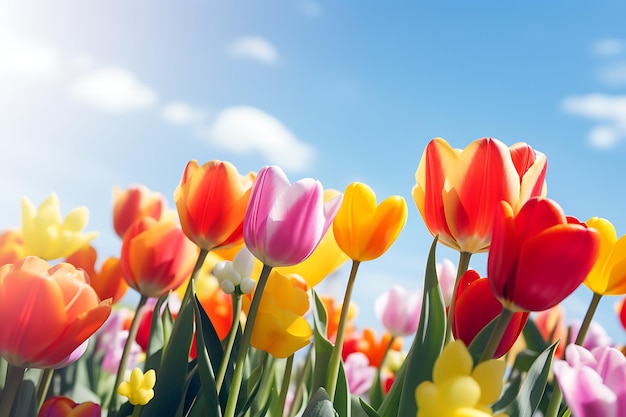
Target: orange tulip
<point>65,407</point>
<point>11,247</point>
<point>135,203</point>
<point>109,281</point>
<point>156,256</point>
<point>46,312</point>
<point>333,314</point>
<point>211,201</point>
<point>458,191</point>
<point>369,345</point>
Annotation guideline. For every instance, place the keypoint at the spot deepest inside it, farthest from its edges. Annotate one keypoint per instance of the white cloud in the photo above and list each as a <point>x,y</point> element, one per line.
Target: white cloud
<point>29,60</point>
<point>609,110</point>
<point>244,129</point>
<point>181,113</point>
<point>113,89</point>
<point>310,8</point>
<point>255,48</point>
<point>614,74</point>
<point>608,47</point>
<point>84,62</point>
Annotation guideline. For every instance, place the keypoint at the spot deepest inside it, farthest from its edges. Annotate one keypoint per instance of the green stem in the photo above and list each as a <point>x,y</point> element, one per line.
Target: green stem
<point>137,411</point>
<point>282,397</point>
<point>132,334</point>
<point>464,260</point>
<point>496,335</point>
<point>199,262</point>
<point>230,341</point>
<point>14,378</point>
<point>335,358</point>
<point>304,375</point>
<point>235,384</point>
<point>557,396</point>
<point>43,386</point>
<point>584,327</point>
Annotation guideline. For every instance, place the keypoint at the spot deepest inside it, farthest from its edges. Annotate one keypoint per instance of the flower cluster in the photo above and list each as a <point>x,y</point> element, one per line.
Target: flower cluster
<point>230,320</point>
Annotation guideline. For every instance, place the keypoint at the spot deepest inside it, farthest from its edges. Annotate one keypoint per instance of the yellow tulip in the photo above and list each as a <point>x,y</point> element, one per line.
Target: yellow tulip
<point>279,327</point>
<point>46,235</point>
<point>363,230</point>
<point>458,388</point>
<point>608,275</point>
<point>139,389</point>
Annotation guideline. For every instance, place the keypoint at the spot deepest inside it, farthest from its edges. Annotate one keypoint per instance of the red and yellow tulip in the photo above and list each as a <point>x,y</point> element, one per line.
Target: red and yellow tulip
<point>458,191</point>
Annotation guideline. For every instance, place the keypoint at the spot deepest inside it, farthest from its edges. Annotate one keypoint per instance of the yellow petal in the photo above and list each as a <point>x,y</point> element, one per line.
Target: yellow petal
<point>489,375</point>
<point>455,360</point>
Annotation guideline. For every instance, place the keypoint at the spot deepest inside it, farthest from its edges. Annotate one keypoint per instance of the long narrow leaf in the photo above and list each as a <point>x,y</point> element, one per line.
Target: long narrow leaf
<point>170,385</point>
<point>429,338</point>
<point>533,386</point>
<point>205,368</point>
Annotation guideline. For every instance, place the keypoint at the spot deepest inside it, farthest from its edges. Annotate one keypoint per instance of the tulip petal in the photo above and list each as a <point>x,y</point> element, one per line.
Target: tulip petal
<point>552,267</point>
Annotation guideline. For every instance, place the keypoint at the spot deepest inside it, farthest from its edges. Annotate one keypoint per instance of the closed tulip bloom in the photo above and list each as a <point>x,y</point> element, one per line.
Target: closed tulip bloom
<point>363,230</point>
<point>592,382</point>
<point>457,191</point>
<point>133,204</point>
<point>475,306</point>
<point>156,256</point>
<point>211,201</point>
<point>399,310</point>
<point>46,312</point>
<point>46,235</point>
<point>65,407</point>
<point>285,222</point>
<point>280,328</point>
<point>608,275</point>
<point>538,258</point>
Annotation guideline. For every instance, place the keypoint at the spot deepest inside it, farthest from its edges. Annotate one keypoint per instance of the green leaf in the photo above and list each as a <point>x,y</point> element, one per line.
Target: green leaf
<point>323,346</point>
<point>376,394</point>
<point>533,386</point>
<point>320,405</point>
<point>429,338</point>
<point>368,409</point>
<point>479,343</point>
<point>509,392</point>
<point>342,400</point>
<point>532,337</point>
<point>156,340</point>
<point>169,390</point>
<point>204,336</point>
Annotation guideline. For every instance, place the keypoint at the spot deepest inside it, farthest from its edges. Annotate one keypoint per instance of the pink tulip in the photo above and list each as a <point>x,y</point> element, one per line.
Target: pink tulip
<point>285,222</point>
<point>399,310</point>
<point>592,382</point>
<point>359,373</point>
<point>446,273</point>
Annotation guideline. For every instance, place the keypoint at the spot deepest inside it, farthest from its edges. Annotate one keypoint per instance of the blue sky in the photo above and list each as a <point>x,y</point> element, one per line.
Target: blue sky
<point>96,94</point>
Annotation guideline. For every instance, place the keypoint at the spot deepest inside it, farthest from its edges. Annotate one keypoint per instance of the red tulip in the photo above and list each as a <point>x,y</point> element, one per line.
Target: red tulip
<point>538,257</point>
<point>475,306</point>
